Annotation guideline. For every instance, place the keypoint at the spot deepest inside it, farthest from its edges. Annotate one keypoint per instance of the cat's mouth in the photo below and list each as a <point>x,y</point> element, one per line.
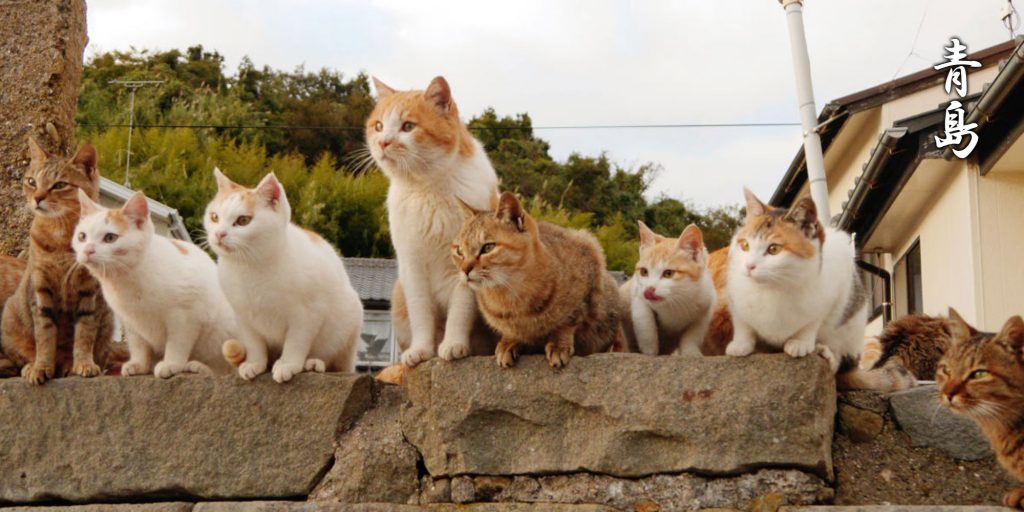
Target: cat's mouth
<point>650,295</point>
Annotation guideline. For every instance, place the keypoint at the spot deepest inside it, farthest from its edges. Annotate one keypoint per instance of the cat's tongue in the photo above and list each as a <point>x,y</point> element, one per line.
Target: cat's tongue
<point>650,295</point>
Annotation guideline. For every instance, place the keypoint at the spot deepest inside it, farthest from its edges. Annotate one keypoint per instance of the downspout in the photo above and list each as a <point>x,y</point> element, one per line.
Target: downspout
<point>808,116</point>
<point>887,311</point>
<point>869,177</point>
<point>995,93</point>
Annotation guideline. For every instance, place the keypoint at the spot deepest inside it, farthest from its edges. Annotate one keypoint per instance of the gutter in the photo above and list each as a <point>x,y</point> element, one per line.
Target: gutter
<point>887,305</point>
<point>869,177</point>
<point>996,92</point>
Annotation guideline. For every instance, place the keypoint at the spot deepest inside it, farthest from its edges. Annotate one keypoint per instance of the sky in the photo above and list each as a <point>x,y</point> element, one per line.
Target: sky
<point>589,62</point>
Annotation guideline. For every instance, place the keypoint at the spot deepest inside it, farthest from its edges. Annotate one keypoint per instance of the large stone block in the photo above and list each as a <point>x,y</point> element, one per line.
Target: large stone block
<point>919,414</point>
<point>112,438</point>
<point>625,415</point>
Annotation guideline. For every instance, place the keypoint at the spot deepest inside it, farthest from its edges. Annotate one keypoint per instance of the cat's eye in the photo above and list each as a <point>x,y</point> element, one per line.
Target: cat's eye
<point>214,218</point>
<point>488,247</point>
<point>31,182</point>
<point>978,374</point>
<point>408,126</point>
<point>243,220</point>
<point>743,245</point>
<point>643,271</point>
<point>667,274</point>
<point>942,370</point>
<point>81,236</point>
<point>109,238</point>
<point>379,126</point>
<point>458,251</point>
<point>59,185</point>
<point>773,249</point>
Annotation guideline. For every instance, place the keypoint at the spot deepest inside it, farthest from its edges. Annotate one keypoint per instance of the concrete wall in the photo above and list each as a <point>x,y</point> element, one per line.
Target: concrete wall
<point>1001,247</point>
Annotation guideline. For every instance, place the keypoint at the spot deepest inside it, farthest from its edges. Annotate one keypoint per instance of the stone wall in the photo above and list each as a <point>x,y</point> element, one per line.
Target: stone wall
<point>41,49</point>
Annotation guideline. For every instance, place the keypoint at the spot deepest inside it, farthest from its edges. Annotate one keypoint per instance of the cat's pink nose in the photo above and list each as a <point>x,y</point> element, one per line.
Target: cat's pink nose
<point>750,268</point>
<point>221,235</point>
<point>384,143</point>
<point>89,250</point>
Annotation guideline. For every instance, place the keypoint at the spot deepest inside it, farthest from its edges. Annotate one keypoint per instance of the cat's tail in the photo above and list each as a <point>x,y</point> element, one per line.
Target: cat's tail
<point>887,378</point>
<point>234,352</point>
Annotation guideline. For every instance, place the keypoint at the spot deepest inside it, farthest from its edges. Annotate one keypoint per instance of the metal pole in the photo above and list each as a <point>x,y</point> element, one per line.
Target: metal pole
<point>808,114</point>
<point>131,128</point>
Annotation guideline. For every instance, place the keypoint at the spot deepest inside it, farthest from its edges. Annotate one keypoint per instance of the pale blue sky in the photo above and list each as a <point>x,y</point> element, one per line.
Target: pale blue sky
<point>588,62</point>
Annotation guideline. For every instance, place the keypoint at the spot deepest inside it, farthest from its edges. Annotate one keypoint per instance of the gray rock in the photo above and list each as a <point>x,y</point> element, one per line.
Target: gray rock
<point>624,415</point>
<point>107,438</point>
<point>463,490</point>
<point>373,463</point>
<point>122,507</point>
<point>919,414</point>
<point>435,490</point>
<point>292,506</point>
<point>897,508</point>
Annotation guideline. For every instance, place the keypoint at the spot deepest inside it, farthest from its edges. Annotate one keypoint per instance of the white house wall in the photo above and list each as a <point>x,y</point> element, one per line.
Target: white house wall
<point>1001,243</point>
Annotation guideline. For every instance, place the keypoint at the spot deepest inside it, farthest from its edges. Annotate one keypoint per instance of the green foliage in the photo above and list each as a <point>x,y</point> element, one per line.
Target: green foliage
<point>174,165</point>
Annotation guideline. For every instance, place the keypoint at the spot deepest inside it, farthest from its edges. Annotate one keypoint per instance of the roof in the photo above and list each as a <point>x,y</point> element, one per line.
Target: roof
<point>835,114</point>
<point>373,279</point>
<point>158,210</point>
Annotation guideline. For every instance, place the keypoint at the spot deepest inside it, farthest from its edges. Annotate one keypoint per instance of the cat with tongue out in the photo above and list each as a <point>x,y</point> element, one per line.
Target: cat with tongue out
<point>670,297</point>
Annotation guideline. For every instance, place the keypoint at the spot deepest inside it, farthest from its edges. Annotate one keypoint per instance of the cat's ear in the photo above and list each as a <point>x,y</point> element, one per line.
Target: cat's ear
<point>691,241</point>
<point>1012,334</point>
<point>383,91</point>
<point>87,205</point>
<point>223,182</point>
<point>647,237</point>
<point>86,157</point>
<point>440,95</point>
<point>136,209</point>
<point>270,190</point>
<point>511,211</point>
<point>35,151</point>
<point>755,208</point>
<point>805,215</point>
<point>958,329</point>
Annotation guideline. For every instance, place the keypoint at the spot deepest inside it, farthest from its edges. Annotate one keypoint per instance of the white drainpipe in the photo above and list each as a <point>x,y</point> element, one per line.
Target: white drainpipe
<point>808,114</point>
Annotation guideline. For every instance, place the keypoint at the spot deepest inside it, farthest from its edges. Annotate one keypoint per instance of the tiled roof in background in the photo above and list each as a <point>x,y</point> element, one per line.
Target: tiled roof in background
<point>372,278</point>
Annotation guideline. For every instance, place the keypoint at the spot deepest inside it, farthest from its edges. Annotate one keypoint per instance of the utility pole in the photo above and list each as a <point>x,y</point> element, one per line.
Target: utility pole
<point>132,86</point>
<point>808,114</point>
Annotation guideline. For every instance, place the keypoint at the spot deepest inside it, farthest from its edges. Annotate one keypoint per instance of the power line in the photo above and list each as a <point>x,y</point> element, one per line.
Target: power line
<point>481,128</point>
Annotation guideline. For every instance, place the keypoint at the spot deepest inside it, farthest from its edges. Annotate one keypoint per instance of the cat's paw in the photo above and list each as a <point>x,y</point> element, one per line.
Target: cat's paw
<point>1014,498</point>
<point>739,348</point>
<point>283,372</point>
<point>415,355</point>
<point>557,356</point>
<point>506,354</point>
<point>249,371</point>
<point>133,368</point>
<point>797,347</point>
<point>85,369</point>
<point>36,374</point>
<point>166,370</point>
<point>197,368</point>
<point>827,355</point>
<point>451,350</point>
<point>315,365</point>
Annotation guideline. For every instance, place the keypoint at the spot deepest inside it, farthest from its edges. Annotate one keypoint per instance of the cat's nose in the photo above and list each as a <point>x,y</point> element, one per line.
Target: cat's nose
<point>750,268</point>
<point>467,269</point>
<point>384,143</point>
<point>89,250</point>
<point>221,235</point>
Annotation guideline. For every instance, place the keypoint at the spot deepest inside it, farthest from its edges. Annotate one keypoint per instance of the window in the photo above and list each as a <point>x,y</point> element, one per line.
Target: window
<point>874,286</point>
<point>377,344</point>
<point>907,278</point>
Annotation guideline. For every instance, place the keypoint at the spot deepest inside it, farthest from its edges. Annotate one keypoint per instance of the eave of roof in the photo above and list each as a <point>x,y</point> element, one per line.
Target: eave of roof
<point>157,209</point>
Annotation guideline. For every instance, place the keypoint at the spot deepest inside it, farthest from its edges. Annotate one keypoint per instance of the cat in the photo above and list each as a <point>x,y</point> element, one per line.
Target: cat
<point>720,329</point>
<point>164,291</point>
<point>793,284</point>
<point>981,376</point>
<point>432,163</point>
<point>540,286</point>
<point>915,342</point>
<point>668,302</point>
<point>57,322</point>
<point>11,271</point>
<point>288,287</point>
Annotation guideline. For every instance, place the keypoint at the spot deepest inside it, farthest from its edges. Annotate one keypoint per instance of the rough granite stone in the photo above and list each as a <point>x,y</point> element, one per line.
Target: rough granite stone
<point>372,461</point>
<point>111,438</point>
<point>120,507</point>
<point>896,508</point>
<point>919,414</point>
<point>435,490</point>
<point>860,425</point>
<point>292,506</point>
<point>624,415</point>
<point>463,490</point>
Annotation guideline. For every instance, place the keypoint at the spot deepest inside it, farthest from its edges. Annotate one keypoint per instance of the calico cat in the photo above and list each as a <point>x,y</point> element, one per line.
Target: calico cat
<point>982,376</point>
<point>288,287</point>
<point>668,303</point>
<point>57,323</point>
<point>11,271</point>
<point>793,284</point>
<point>540,286</point>
<point>164,291</point>
<point>432,163</point>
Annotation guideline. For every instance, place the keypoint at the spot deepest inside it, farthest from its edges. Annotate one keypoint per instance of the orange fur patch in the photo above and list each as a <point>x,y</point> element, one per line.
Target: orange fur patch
<point>772,228</point>
<point>313,235</point>
<point>720,331</point>
<point>666,250</point>
<point>180,246</point>
<point>433,129</point>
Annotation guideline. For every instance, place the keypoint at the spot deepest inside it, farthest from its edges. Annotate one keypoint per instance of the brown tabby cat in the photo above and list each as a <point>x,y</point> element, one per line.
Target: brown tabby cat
<point>915,342</point>
<point>57,322</point>
<point>982,376</point>
<point>11,270</point>
<point>538,284</point>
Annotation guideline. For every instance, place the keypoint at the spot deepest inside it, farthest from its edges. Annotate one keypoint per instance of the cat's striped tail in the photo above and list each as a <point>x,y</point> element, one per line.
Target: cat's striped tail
<point>234,352</point>
<point>890,377</point>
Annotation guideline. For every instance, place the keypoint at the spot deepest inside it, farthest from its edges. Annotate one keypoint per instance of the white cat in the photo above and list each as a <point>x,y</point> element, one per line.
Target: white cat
<point>287,285</point>
<point>164,291</point>
<point>432,162</point>
<point>670,298</point>
<point>794,284</point>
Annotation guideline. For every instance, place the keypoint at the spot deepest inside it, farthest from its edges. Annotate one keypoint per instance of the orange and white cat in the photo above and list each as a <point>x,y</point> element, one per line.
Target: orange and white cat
<point>670,298</point>
<point>289,289</point>
<point>432,163</point>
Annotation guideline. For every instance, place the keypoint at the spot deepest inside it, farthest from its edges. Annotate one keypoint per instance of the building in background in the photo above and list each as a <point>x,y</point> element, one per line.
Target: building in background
<point>165,219</point>
<point>373,279</point>
<point>939,231</point>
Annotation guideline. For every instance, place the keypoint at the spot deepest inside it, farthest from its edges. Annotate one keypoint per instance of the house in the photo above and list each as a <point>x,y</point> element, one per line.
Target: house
<point>165,219</point>
<point>933,231</point>
<point>373,279</point>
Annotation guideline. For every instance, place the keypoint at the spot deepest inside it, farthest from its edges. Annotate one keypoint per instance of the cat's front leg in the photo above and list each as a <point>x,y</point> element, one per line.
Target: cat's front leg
<point>561,347</point>
<point>255,352</point>
<point>140,355</point>
<point>44,327</point>
<point>744,339</point>
<point>87,320</point>
<point>802,343</point>
<point>645,326</point>
<point>297,344</point>
<point>461,315</point>
<point>693,336</point>
<point>181,338</point>
<point>422,318</point>
<point>507,352</point>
